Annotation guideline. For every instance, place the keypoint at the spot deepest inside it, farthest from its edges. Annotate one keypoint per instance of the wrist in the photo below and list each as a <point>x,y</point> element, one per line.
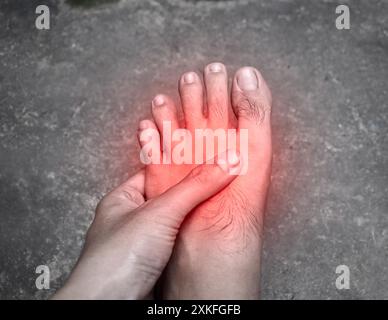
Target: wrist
<point>99,283</point>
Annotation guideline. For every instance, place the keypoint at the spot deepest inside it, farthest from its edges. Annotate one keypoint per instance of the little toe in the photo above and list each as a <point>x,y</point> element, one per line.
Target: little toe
<point>166,118</point>
<point>149,141</point>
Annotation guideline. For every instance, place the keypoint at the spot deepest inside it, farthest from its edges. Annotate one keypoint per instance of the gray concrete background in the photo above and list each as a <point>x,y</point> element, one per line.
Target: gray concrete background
<point>70,99</point>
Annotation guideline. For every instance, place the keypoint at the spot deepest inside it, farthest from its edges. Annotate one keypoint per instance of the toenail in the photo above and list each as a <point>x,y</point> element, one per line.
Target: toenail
<point>215,67</point>
<point>247,80</point>
<point>158,101</point>
<point>143,124</point>
<point>188,78</point>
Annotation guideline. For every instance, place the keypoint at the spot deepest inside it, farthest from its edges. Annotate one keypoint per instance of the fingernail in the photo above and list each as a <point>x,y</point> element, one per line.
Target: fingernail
<point>188,78</point>
<point>247,80</point>
<point>143,124</point>
<point>233,158</point>
<point>229,161</point>
<point>215,67</point>
<point>158,101</point>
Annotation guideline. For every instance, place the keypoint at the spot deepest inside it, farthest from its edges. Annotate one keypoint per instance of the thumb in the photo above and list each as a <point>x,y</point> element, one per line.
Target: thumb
<point>200,184</point>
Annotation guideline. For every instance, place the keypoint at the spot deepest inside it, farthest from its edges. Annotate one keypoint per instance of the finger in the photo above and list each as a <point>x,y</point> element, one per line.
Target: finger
<point>126,197</point>
<point>136,182</point>
<point>200,184</point>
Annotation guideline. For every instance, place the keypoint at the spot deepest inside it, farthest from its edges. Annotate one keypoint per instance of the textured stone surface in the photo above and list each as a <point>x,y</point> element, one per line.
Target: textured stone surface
<point>70,99</point>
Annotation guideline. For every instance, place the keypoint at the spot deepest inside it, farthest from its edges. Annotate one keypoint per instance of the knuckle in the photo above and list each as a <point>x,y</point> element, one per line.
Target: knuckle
<point>128,198</point>
<point>201,175</point>
<point>132,195</point>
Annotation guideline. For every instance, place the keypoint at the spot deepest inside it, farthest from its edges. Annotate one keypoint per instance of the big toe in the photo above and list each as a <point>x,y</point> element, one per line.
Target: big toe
<point>251,101</point>
<point>251,98</point>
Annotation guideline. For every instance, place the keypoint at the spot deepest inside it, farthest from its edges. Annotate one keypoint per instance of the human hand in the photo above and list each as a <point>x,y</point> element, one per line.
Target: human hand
<point>131,239</point>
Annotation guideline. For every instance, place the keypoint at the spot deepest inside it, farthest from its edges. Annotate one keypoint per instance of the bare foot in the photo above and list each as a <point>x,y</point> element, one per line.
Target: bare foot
<point>217,253</point>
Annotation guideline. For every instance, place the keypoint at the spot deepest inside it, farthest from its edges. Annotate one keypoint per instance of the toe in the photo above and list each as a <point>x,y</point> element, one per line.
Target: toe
<point>164,110</point>
<point>216,82</point>
<point>191,93</point>
<point>166,118</point>
<point>251,101</point>
<point>149,141</point>
<point>251,98</point>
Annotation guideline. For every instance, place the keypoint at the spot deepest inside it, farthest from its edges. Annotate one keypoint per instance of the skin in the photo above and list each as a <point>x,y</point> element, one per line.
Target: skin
<point>218,249</point>
<point>217,215</point>
<point>131,239</point>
